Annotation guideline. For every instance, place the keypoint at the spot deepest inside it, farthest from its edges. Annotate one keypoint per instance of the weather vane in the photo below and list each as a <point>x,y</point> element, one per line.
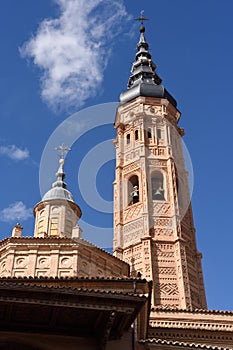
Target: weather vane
<point>62,151</point>
<point>141,18</point>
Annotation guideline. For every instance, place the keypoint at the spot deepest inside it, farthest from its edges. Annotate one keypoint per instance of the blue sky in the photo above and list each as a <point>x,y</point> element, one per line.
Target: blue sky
<point>191,43</point>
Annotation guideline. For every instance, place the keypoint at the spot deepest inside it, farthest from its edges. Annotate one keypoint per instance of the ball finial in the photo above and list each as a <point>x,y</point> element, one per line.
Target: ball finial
<point>142,29</point>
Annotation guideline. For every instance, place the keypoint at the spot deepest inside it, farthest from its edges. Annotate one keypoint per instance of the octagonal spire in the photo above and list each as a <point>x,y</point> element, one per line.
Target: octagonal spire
<point>144,80</point>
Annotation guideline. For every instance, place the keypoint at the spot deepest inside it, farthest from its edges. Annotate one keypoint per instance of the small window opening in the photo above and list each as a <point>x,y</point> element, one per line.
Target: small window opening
<point>136,134</point>
<point>40,226</point>
<point>159,134</point>
<point>133,190</point>
<point>149,135</point>
<point>54,226</point>
<point>128,139</point>
<point>157,186</point>
<point>168,135</point>
<point>69,227</point>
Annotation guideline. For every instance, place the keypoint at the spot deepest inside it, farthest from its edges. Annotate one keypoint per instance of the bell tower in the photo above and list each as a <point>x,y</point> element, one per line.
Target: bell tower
<point>153,221</point>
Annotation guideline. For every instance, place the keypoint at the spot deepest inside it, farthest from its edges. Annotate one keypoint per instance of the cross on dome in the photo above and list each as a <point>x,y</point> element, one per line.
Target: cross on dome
<point>141,18</point>
<point>62,150</point>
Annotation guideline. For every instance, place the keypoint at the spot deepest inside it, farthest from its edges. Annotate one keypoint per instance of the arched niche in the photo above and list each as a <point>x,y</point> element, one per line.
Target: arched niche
<point>157,185</point>
<point>133,190</point>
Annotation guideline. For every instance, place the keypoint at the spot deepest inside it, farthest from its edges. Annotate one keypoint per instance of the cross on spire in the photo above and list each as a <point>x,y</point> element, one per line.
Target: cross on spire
<point>62,151</point>
<point>141,18</point>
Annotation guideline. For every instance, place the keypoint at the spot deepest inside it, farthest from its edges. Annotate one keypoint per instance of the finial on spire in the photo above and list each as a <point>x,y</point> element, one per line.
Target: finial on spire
<point>60,175</point>
<point>62,151</point>
<point>141,18</point>
<point>144,81</point>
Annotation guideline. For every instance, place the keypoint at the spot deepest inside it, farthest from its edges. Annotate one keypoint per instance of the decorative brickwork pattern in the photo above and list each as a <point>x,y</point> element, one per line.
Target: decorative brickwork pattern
<point>149,144</point>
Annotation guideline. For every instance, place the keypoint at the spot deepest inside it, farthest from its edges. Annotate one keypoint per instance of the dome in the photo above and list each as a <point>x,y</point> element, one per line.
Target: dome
<point>58,193</point>
<point>59,188</point>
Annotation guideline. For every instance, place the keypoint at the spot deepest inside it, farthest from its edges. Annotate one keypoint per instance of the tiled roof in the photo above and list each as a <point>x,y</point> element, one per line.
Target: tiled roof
<point>181,344</point>
<point>113,286</point>
<point>46,278</point>
<point>88,291</point>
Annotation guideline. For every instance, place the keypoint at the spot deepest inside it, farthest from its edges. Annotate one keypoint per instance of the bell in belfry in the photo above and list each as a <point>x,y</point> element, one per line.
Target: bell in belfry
<point>135,194</point>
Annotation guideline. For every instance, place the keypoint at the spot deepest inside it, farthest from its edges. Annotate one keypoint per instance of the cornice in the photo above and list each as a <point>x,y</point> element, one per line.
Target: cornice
<point>212,320</point>
<point>56,241</point>
<point>195,311</point>
<point>181,344</point>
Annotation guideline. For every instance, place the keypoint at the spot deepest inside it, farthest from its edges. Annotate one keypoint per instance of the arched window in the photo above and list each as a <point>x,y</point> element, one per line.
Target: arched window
<point>157,184</point>
<point>40,226</point>
<point>133,190</point>
<point>149,135</point>
<point>128,139</point>
<point>136,135</point>
<point>54,226</point>
<point>68,228</point>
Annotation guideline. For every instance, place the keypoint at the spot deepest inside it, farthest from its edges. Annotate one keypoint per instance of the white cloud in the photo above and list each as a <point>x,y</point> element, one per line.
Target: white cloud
<point>15,212</point>
<point>72,50</point>
<point>14,152</point>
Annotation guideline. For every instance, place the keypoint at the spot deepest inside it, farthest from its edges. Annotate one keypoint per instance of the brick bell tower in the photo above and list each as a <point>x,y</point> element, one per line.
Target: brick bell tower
<point>153,221</point>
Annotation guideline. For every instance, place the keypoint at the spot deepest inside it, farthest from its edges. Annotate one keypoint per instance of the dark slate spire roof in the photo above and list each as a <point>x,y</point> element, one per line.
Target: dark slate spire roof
<point>144,80</point>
